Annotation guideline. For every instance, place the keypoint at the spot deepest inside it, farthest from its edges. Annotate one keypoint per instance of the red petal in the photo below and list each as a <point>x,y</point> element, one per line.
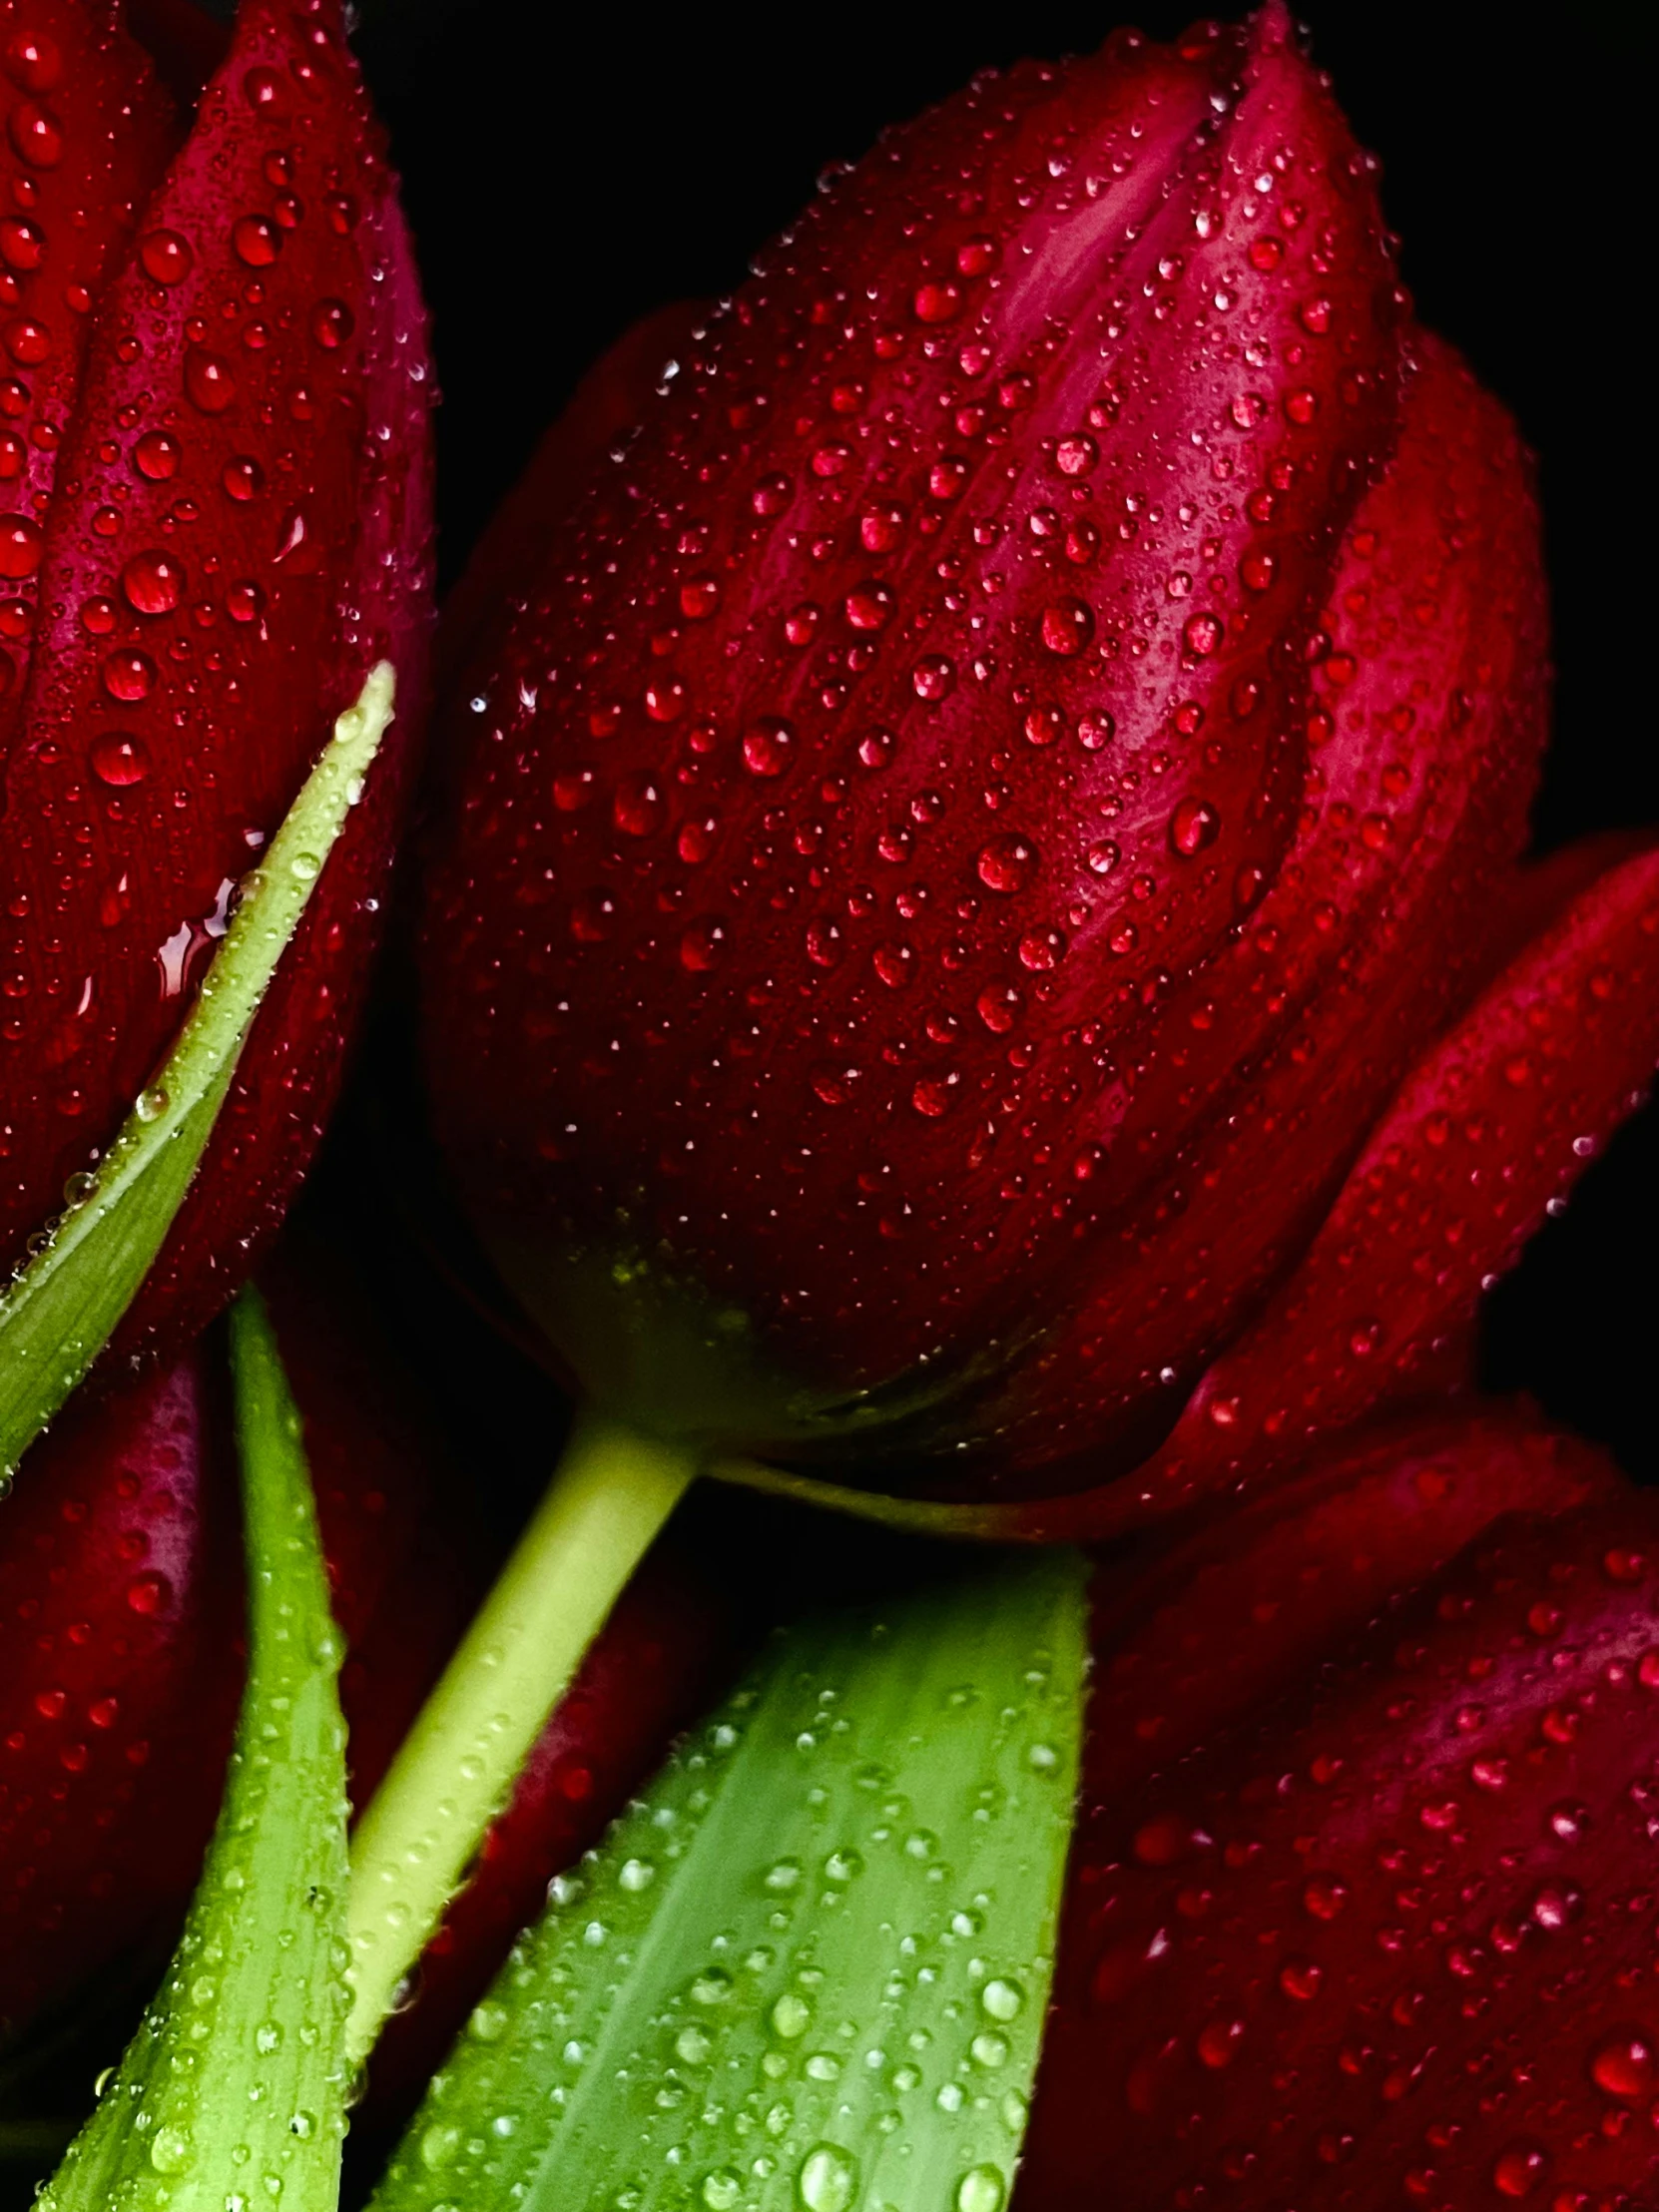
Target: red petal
<point>119,1603</point>
<point>120,1622</point>
<point>245,496</point>
<point>1272,1064</point>
<point>1493,1127</point>
<point>1237,1612</point>
<point>1382,1940</point>
<point>85,132</point>
<point>798,721</point>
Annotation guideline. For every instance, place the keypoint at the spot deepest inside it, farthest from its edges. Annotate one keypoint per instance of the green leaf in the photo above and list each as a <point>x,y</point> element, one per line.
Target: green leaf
<point>231,2095</point>
<point>57,1314</point>
<point>809,1969</point>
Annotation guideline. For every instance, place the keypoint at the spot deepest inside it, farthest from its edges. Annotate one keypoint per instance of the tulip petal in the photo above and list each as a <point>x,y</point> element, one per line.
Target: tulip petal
<point>1489,1131</point>
<point>85,133</point>
<point>1426,731</point>
<point>1234,1612</point>
<point>241,532</point>
<point>1380,1939</point>
<point>118,1612</point>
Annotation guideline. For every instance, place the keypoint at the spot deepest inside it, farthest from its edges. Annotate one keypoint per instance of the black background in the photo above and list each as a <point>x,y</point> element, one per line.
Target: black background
<point>568,170</point>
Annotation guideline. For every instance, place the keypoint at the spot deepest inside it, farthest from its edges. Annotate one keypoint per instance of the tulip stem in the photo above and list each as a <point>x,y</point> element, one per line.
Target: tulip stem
<point>610,1494</point>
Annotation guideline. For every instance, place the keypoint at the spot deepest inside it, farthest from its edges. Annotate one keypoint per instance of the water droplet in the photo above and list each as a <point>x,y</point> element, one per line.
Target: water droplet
<point>166,257</point>
<point>870,606</point>
<point>1067,626</point>
<point>769,745</point>
<point>1301,1979</point>
<point>147,1595</point>
<point>981,2189</point>
<point>998,1007</point>
<point>1001,1999</point>
<point>243,478</point>
<point>1623,2064</point>
<point>934,677</point>
<point>36,135</point>
<point>639,808</point>
<point>20,546</point>
<point>332,322</point>
<point>828,2178</point>
<point>703,944</point>
<point>937,301</point>
<point>1518,2170</point>
<point>637,1875</point>
<point>438,2146</point>
<point>170,2150</point>
<point>120,760</point>
<point>153,582</point>
<point>256,239</point>
<point>722,2189</point>
<point>157,457</point>
<point>1194,825</point>
<point>128,675</point>
<point>1325,1896</point>
<point>1007,863</point>
<point>34,61</point>
<point>209,380</point>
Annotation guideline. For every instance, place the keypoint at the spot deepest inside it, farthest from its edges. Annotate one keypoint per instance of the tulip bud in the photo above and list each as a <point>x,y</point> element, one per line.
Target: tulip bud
<point>217,417</point>
<point>920,699</point>
<point>1351,1910</point>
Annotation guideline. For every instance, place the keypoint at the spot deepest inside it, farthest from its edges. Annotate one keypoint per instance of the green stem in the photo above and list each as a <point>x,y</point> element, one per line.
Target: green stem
<point>610,1494</point>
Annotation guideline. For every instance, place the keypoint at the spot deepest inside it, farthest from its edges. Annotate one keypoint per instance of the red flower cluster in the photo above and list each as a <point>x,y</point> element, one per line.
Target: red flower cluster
<point>974,946</point>
<point>983,878</point>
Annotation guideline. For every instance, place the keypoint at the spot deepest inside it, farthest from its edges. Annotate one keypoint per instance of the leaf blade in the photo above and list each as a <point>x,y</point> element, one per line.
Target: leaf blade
<point>58,1312</point>
<point>238,2070</point>
<point>675,2029</point>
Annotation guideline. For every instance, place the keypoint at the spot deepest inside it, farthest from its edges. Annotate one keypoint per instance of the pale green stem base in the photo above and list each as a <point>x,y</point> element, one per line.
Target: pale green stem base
<point>612,1493</point>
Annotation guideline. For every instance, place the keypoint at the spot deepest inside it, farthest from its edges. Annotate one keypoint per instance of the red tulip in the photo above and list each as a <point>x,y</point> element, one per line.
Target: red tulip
<point>120,1668</point>
<point>967,822</point>
<point>215,464</point>
<point>120,1627</point>
<point>1357,1911</point>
